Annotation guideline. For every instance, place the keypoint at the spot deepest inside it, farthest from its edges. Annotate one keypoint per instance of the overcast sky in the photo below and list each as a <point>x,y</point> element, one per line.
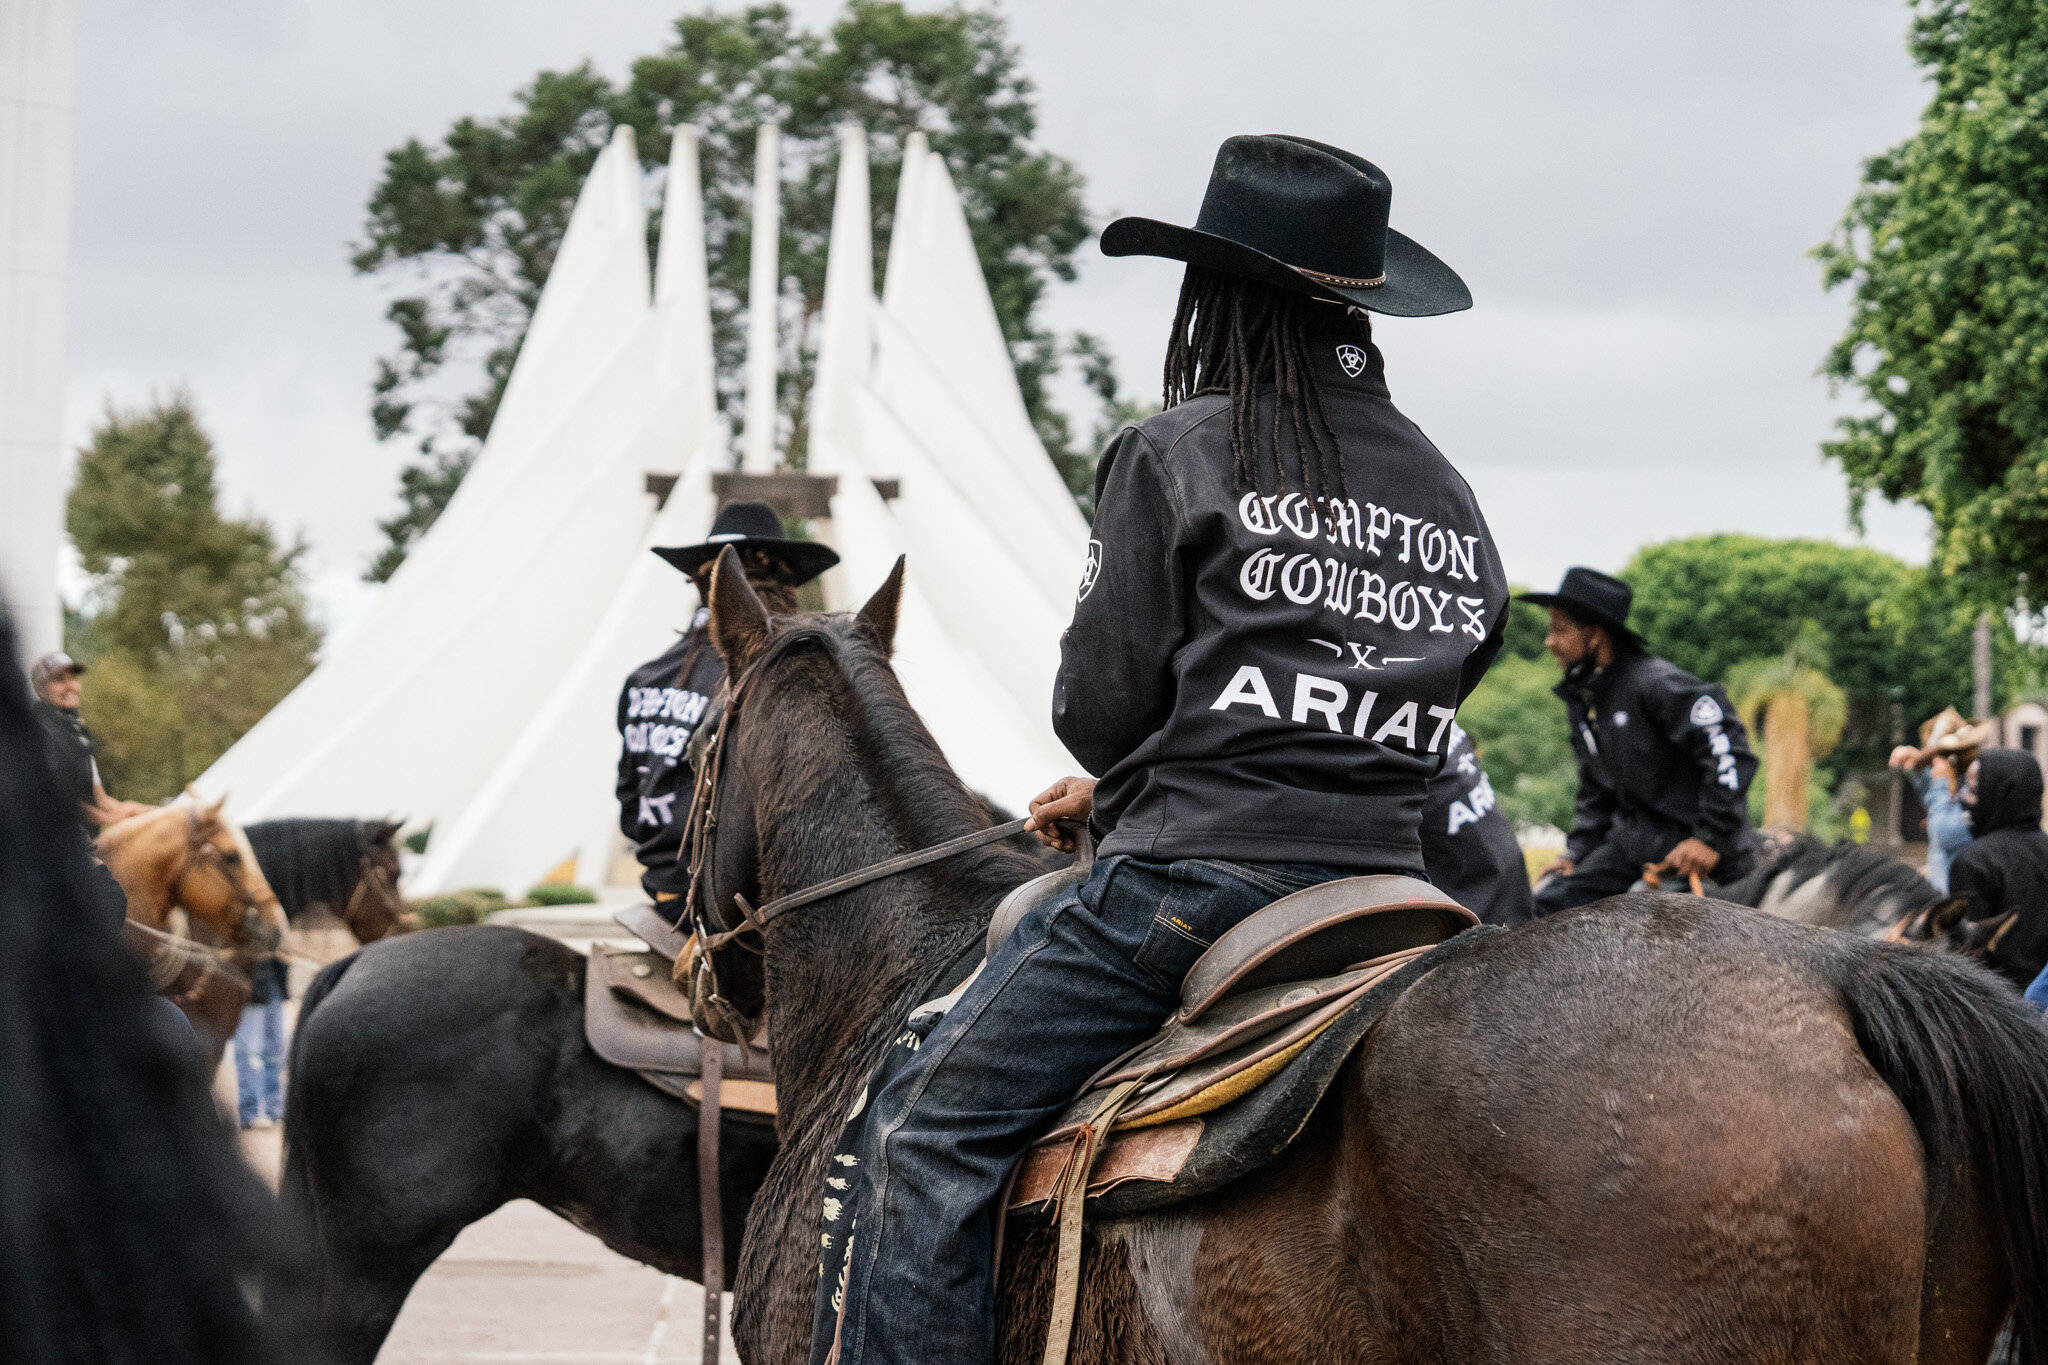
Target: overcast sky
<point>1629,189</point>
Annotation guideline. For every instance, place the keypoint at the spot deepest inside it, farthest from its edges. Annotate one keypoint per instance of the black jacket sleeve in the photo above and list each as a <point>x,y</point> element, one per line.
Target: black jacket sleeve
<point>1592,813</point>
<point>1481,659</point>
<point>1115,687</point>
<point>1698,719</point>
<point>1978,880</point>
<point>627,785</point>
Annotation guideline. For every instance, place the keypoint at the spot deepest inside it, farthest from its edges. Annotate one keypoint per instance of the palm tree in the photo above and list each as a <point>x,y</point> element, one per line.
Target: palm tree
<point>1790,703</point>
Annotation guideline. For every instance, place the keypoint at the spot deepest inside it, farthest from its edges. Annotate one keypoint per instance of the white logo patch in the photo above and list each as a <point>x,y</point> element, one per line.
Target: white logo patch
<point>1351,358</point>
<point>1706,711</point>
<point>1621,718</point>
<point>1090,571</point>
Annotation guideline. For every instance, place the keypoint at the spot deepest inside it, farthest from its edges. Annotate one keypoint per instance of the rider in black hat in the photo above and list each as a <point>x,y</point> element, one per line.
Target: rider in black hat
<point>664,699</point>
<point>1288,593</point>
<point>1664,762</point>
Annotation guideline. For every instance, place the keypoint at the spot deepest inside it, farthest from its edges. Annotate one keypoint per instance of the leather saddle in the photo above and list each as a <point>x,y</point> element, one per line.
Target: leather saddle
<point>634,1017</point>
<point>1267,1016</point>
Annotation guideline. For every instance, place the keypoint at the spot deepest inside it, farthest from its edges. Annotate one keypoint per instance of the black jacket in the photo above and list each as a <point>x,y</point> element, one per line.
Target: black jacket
<point>1468,845</point>
<point>71,752</point>
<point>660,707</point>
<point>1269,677</point>
<point>1656,744</point>
<point>2005,864</point>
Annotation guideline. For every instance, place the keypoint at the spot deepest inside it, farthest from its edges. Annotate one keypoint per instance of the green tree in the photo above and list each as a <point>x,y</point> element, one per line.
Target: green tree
<point>1893,634</point>
<point>1946,247</point>
<point>195,624</point>
<point>480,215</point>
<point>1797,713</point>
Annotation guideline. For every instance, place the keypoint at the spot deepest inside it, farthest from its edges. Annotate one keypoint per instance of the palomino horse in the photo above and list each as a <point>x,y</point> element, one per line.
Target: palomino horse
<point>341,869</point>
<point>190,876</point>
<point>1659,1128</point>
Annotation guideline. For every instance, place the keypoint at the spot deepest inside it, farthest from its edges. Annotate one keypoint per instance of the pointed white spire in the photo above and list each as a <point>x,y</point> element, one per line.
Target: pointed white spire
<point>846,327</point>
<point>915,152</point>
<point>763,295</point>
<point>681,276</point>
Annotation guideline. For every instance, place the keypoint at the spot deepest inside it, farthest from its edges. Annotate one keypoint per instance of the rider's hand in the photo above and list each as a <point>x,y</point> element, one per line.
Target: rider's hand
<point>1561,868</point>
<point>1943,769</point>
<point>1905,756</point>
<point>1691,859</point>
<point>1070,798</point>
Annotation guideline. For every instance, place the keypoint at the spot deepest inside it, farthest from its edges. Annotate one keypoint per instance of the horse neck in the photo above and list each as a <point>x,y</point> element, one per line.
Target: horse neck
<point>146,854</point>
<point>841,974</point>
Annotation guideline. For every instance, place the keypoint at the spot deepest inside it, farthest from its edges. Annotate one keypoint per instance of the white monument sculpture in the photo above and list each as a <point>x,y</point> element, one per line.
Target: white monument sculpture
<point>479,692</point>
<point>35,252</point>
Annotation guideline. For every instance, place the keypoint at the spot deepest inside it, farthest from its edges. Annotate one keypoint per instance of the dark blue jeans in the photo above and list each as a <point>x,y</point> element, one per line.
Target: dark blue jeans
<point>1082,980</point>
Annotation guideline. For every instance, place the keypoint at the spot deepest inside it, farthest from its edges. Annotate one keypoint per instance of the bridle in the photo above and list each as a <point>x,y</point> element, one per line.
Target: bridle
<point>371,878</point>
<point>700,830</point>
<point>200,854</point>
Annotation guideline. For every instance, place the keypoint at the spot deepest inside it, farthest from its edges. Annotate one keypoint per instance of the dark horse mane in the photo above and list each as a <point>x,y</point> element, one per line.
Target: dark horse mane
<point>310,862</point>
<point>1864,890</point>
<point>924,796</point>
<point>129,1224</point>
<point>856,778</point>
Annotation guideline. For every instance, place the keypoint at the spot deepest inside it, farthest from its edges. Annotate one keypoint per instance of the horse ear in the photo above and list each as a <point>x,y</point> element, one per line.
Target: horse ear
<point>879,615</point>
<point>384,831</point>
<point>739,623</point>
<point>1943,918</point>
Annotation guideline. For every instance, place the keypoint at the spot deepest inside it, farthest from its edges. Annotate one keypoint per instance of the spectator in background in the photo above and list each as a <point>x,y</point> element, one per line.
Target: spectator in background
<point>1947,745</point>
<point>2004,868</point>
<point>73,756</point>
<point>259,1045</point>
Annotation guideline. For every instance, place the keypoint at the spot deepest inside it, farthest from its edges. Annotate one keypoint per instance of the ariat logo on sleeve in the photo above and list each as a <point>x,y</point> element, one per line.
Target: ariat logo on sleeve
<point>1706,711</point>
<point>1351,358</point>
<point>1090,571</point>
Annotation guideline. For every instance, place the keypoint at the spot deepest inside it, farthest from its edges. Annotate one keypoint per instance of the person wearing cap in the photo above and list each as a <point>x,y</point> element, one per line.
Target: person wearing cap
<point>1948,745</point>
<point>1664,760</point>
<point>1288,593</point>
<point>664,699</point>
<point>74,754</point>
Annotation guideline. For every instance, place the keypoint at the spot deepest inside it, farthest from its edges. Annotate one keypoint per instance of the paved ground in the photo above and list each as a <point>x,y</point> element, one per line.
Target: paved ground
<point>524,1286</point>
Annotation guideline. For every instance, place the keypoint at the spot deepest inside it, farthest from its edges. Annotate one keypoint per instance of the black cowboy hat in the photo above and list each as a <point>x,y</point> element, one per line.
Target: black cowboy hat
<point>1592,598</point>
<point>753,526</point>
<point>1304,216</point>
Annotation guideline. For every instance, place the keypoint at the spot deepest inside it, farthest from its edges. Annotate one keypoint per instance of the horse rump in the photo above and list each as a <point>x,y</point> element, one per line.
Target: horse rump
<point>1969,1062</point>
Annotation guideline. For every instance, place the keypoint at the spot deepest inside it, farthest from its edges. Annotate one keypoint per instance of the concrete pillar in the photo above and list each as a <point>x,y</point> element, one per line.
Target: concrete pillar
<point>35,252</point>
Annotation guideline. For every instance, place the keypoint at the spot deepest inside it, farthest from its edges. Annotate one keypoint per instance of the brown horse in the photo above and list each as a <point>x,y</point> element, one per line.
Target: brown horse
<point>1659,1128</point>
<point>191,877</point>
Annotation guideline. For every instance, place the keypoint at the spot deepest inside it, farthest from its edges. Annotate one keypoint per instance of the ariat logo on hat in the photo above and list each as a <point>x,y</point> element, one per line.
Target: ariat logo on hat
<point>1351,358</point>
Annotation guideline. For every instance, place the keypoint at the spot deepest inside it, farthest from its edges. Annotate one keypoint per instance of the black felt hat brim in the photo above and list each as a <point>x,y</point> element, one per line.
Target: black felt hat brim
<point>1579,611</point>
<point>1419,285</point>
<point>804,559</point>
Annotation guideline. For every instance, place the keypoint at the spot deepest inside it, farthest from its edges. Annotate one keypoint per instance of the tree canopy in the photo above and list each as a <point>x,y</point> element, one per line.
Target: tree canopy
<point>1946,248</point>
<point>195,624</point>
<point>1710,602</point>
<point>479,215</point>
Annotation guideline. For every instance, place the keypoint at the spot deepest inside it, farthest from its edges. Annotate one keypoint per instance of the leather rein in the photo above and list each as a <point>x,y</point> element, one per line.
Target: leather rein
<point>700,830</point>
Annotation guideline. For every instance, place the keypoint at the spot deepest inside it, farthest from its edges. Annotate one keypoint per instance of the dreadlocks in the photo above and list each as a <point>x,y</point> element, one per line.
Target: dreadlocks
<point>1231,335</point>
